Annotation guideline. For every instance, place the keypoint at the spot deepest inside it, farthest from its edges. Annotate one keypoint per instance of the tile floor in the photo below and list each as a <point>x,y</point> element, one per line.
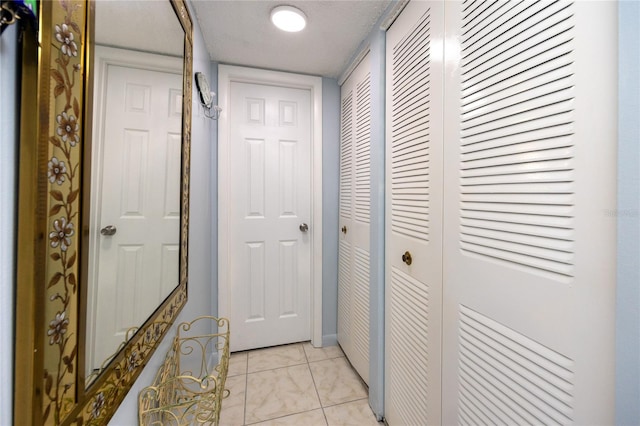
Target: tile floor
<point>295,385</point>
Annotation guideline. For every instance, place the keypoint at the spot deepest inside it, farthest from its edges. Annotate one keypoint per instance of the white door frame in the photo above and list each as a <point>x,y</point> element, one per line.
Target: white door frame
<point>226,75</point>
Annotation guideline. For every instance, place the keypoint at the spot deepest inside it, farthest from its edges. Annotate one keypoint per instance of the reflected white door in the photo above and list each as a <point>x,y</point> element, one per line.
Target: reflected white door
<point>139,193</point>
<point>270,200</point>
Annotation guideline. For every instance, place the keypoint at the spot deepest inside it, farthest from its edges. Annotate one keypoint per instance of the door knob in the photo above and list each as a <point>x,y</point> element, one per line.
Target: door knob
<point>304,227</point>
<point>406,258</point>
<point>108,230</point>
<point>344,229</point>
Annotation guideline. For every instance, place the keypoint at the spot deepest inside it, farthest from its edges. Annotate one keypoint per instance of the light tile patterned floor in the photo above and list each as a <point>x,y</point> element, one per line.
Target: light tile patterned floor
<point>295,385</point>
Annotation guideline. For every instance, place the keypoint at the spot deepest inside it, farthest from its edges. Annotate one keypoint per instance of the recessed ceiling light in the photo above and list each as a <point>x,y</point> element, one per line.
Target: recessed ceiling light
<point>288,18</point>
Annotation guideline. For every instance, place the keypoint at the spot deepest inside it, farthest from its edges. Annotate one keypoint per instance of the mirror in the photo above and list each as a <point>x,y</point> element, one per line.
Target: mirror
<point>63,205</point>
<point>134,224</point>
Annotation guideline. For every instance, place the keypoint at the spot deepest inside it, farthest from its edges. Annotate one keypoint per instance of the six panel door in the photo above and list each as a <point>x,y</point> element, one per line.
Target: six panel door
<point>138,192</point>
<point>270,200</point>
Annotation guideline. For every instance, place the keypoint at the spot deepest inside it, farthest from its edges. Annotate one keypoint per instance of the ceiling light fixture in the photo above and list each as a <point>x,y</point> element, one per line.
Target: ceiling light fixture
<point>288,18</point>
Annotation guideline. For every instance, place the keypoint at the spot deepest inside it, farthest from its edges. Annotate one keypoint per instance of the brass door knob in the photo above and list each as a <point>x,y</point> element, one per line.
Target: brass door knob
<point>406,258</point>
<point>344,229</point>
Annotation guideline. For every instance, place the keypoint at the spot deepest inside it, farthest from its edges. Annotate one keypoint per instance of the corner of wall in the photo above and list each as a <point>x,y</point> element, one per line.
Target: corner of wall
<point>214,197</point>
<point>329,340</point>
<point>330,184</point>
<point>628,287</point>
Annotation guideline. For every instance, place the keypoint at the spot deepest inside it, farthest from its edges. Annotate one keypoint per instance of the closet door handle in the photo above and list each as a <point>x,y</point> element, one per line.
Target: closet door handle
<point>406,258</point>
<point>344,229</point>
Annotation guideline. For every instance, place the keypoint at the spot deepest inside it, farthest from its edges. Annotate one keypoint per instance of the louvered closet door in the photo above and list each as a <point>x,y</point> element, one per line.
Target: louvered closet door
<point>353,269</point>
<point>529,256</point>
<point>414,215</point>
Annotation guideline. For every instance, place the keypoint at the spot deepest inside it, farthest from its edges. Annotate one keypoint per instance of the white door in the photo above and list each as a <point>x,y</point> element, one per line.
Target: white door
<point>413,295</point>
<point>139,196</point>
<point>529,256</point>
<point>355,199</point>
<point>269,279</point>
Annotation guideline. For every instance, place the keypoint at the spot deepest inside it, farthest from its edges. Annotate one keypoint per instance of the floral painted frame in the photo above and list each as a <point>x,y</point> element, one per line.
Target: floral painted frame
<point>54,172</point>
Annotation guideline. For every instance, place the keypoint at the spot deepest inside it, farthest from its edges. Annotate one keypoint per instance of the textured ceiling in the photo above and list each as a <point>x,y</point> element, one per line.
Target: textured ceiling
<point>145,25</point>
<point>240,33</point>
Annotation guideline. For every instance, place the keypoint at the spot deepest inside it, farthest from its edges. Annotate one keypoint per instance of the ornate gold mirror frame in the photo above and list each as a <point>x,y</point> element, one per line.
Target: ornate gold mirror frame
<point>49,386</point>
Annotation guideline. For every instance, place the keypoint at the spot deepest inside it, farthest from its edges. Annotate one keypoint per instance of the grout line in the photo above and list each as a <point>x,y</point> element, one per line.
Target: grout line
<point>315,387</point>
<point>347,402</point>
<point>285,416</point>
<point>246,391</point>
<point>305,353</point>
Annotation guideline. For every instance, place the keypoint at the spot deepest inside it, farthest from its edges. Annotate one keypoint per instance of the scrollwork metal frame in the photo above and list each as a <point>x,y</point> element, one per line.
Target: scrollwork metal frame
<point>187,390</point>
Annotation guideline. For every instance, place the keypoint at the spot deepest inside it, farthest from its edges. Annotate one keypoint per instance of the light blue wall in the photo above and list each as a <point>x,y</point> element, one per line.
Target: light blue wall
<point>201,234</point>
<point>9,128</point>
<point>377,41</point>
<point>330,185</point>
<point>628,290</point>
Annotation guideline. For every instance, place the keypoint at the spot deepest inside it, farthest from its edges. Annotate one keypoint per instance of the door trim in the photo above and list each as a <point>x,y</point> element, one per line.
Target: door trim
<point>226,75</point>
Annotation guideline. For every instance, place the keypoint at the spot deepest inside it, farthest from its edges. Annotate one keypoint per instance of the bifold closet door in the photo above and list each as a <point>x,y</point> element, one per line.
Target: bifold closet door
<point>529,254</point>
<point>354,251</point>
<point>413,290</point>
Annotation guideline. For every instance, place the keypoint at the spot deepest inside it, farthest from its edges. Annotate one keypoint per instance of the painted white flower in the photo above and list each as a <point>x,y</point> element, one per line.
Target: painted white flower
<point>57,328</point>
<point>97,406</point>
<point>133,361</point>
<point>56,171</point>
<point>65,36</point>
<point>61,235</point>
<point>68,128</point>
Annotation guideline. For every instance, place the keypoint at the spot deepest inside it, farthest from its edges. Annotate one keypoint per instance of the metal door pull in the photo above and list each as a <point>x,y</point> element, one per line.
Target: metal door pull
<point>406,258</point>
<point>108,230</point>
<point>304,227</point>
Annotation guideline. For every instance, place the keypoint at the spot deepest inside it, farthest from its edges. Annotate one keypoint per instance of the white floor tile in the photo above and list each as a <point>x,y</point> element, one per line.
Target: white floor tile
<point>280,392</point>
<point>308,418</point>
<point>356,413</point>
<point>276,357</point>
<point>289,385</point>
<point>336,381</point>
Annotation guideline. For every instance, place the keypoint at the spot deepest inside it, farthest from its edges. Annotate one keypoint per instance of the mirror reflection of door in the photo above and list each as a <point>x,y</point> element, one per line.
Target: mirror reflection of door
<point>136,196</point>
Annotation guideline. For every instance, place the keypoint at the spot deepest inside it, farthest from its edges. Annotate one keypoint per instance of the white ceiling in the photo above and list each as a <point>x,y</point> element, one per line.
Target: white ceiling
<point>240,33</point>
<point>144,25</point>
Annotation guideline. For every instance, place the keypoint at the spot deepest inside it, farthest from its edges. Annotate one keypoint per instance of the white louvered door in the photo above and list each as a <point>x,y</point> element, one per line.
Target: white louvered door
<point>529,255</point>
<point>413,294</point>
<point>353,251</point>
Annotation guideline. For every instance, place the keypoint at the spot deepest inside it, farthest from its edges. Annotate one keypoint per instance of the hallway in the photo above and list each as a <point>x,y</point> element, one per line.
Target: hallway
<point>294,384</point>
